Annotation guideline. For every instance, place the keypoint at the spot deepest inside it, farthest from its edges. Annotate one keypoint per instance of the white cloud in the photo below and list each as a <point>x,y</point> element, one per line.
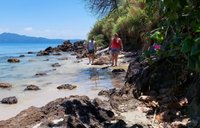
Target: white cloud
<point>28,29</point>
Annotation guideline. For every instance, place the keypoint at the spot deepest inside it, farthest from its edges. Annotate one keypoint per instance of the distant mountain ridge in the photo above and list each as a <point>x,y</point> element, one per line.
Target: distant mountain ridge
<point>16,38</point>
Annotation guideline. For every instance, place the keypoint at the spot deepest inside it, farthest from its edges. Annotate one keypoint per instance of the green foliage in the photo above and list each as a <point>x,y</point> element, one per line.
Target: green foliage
<point>129,21</point>
<point>180,21</point>
<point>157,37</point>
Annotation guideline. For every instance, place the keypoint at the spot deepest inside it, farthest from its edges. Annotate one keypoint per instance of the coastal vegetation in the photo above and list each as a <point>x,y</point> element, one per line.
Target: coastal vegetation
<point>172,29</point>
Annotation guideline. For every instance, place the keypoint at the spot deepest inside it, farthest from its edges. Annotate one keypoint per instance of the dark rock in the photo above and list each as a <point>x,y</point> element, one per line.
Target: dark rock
<point>105,67</point>
<point>32,87</point>
<point>49,49</point>
<point>41,74</point>
<point>56,65</point>
<point>13,60</point>
<point>30,52</point>
<point>5,85</point>
<point>67,86</point>
<point>43,53</point>
<point>118,70</point>
<point>22,56</point>
<point>9,100</point>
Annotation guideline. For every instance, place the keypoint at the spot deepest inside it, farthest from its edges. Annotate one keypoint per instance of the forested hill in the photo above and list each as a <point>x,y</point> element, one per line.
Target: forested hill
<point>15,38</point>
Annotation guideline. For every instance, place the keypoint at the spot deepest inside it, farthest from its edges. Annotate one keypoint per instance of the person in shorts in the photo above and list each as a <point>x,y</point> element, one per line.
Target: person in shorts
<point>91,49</point>
<point>115,46</point>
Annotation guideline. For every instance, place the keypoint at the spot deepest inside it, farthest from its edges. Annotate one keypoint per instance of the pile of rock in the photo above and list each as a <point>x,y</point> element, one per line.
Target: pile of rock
<point>163,88</point>
<point>77,47</point>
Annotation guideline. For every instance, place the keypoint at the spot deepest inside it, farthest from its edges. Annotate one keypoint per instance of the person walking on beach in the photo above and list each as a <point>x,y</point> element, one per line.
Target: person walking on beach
<point>115,46</point>
<point>91,49</point>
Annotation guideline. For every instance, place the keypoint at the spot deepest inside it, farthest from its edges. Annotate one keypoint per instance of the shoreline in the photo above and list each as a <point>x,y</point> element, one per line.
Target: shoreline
<point>40,98</point>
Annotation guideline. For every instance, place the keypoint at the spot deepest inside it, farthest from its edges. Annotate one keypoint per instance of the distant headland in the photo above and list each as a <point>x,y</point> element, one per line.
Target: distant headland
<point>16,38</point>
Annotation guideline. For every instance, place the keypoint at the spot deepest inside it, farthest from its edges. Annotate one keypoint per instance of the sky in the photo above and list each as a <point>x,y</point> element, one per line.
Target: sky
<point>63,19</point>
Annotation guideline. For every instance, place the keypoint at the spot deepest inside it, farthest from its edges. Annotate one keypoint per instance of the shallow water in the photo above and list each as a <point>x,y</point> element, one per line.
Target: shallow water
<point>89,80</point>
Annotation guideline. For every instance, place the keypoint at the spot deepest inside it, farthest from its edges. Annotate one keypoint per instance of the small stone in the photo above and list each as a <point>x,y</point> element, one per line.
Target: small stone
<point>13,60</point>
<point>56,65</point>
<point>5,85</point>
<point>32,87</point>
<point>67,86</point>
<point>9,100</point>
<point>41,74</point>
<point>22,56</point>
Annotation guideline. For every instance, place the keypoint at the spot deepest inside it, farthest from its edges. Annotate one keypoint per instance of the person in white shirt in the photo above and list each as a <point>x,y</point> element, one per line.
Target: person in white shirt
<point>91,49</point>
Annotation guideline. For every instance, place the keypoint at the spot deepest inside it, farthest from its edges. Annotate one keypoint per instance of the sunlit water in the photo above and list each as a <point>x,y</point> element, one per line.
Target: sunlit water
<point>89,79</point>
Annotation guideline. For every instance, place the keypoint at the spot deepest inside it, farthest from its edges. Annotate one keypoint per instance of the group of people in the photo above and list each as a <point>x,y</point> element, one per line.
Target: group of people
<point>115,47</point>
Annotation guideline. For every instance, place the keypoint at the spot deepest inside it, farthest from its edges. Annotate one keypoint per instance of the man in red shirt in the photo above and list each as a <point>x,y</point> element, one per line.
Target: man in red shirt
<point>115,46</point>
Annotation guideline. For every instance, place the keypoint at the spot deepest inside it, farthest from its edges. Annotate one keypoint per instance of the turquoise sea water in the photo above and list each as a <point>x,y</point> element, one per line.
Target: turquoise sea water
<point>16,49</point>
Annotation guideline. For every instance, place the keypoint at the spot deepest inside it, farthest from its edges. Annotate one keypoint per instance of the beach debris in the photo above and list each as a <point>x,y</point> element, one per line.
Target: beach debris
<point>32,87</point>
<point>5,85</point>
<point>67,86</point>
<point>9,100</point>
<point>56,65</point>
<point>13,60</point>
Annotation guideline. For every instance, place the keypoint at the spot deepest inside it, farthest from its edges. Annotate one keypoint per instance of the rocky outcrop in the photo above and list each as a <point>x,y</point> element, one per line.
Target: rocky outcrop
<point>67,86</point>
<point>77,47</point>
<point>75,111</point>
<point>13,60</point>
<point>32,88</point>
<point>5,85</point>
<point>9,100</point>
<point>167,88</point>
